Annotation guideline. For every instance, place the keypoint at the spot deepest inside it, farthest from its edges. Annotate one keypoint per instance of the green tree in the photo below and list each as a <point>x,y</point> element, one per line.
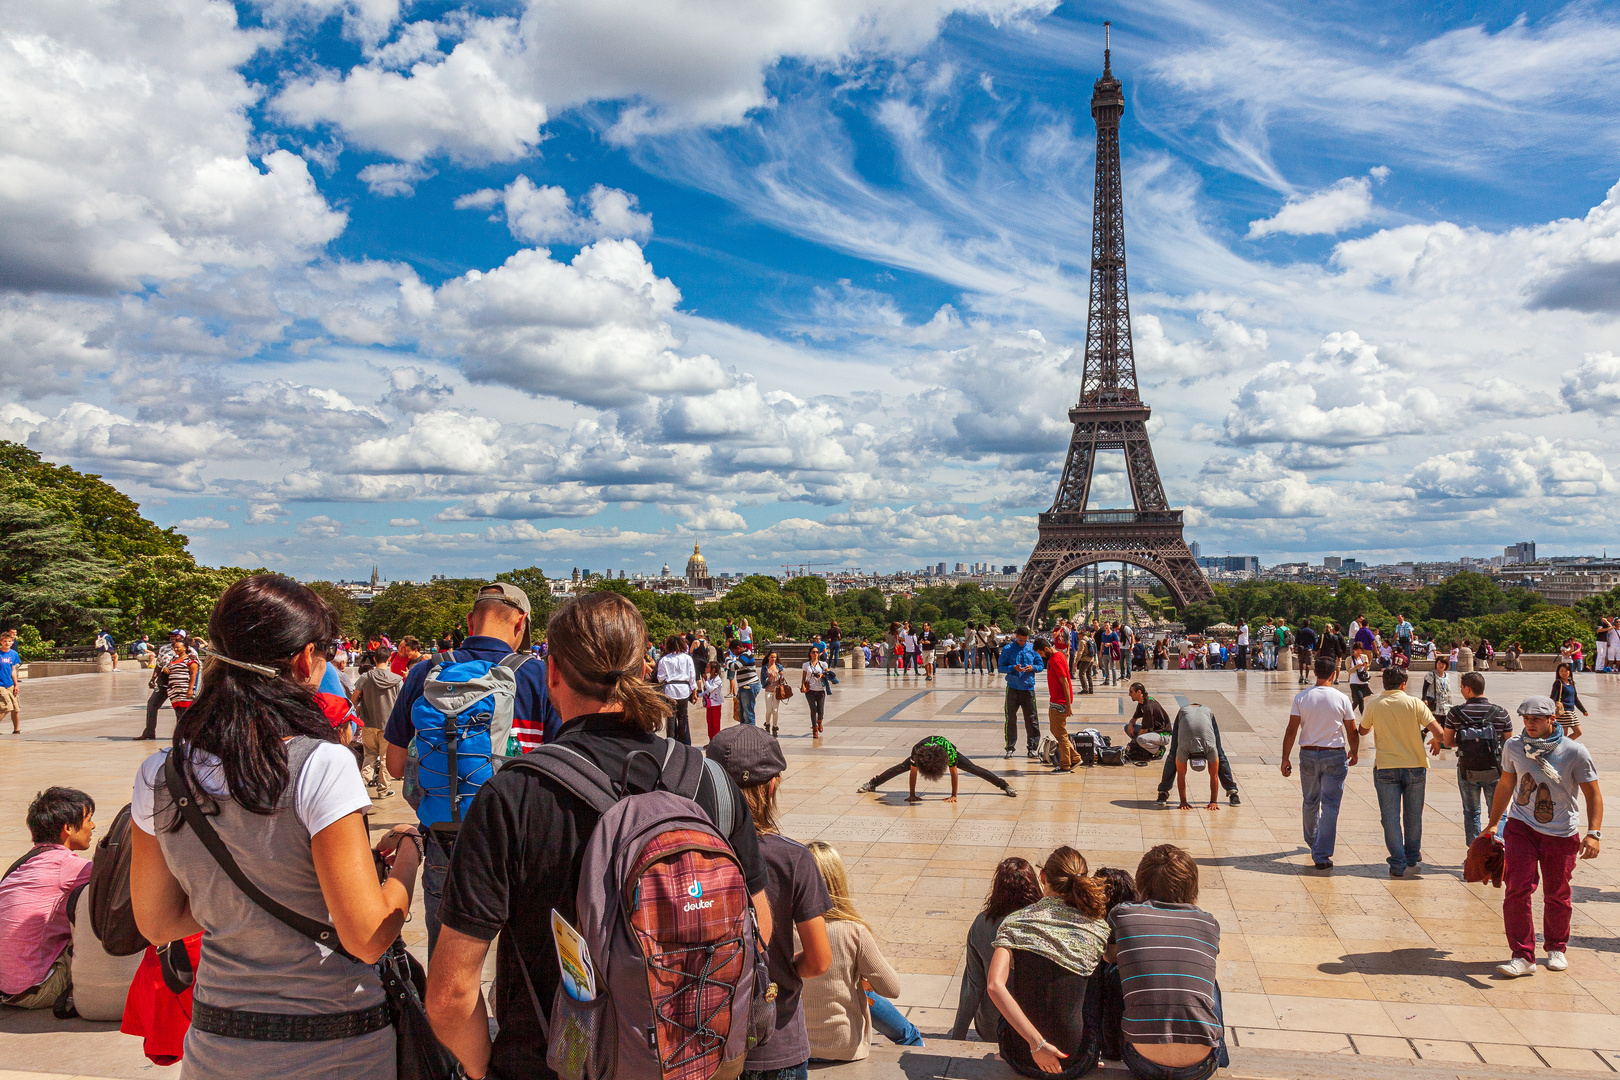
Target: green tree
<point>811,589</point>
<point>30,646</point>
<point>1463,596</point>
<point>46,578</point>
<point>533,581</point>
<point>1546,631</point>
<point>424,611</point>
<point>342,605</point>
<point>156,593</point>
<point>1202,613</point>
<point>106,522</point>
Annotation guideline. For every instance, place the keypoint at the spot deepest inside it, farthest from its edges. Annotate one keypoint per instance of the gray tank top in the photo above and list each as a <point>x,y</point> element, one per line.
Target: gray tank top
<point>251,960</point>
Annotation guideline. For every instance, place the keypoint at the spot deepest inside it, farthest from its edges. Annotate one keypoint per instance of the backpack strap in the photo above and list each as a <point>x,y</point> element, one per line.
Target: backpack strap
<point>32,852</point>
<point>318,932</point>
<point>725,810</point>
<point>573,770</point>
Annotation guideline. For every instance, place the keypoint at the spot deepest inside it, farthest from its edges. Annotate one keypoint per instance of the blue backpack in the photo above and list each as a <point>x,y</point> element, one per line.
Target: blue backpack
<point>463,723</point>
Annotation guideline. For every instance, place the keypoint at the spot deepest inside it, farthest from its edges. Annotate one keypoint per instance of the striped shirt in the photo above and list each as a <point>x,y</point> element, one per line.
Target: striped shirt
<point>741,670</point>
<point>180,674</point>
<point>1167,968</point>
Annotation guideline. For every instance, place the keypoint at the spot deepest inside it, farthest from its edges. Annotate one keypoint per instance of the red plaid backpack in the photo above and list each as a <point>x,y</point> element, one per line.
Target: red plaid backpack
<point>682,991</point>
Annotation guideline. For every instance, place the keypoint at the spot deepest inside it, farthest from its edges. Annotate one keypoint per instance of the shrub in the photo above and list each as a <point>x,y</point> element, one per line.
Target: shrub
<point>1546,631</point>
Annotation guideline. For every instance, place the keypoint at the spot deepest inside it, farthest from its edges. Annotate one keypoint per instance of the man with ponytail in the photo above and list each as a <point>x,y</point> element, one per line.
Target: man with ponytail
<point>522,840</point>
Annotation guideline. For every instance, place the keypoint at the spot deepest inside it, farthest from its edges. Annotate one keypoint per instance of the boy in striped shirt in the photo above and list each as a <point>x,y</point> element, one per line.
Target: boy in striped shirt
<point>1167,948</point>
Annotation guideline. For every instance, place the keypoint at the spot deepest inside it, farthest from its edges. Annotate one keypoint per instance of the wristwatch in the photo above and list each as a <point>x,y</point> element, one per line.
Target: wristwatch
<point>1595,834</point>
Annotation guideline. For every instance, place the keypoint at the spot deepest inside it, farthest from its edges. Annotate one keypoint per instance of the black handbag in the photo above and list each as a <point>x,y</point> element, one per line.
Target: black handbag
<point>419,1054</point>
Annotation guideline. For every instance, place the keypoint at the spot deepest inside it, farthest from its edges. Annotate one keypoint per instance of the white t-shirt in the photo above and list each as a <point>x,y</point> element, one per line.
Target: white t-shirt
<point>329,788</point>
<point>813,676</point>
<point>1243,634</point>
<point>678,675</point>
<point>1323,712</point>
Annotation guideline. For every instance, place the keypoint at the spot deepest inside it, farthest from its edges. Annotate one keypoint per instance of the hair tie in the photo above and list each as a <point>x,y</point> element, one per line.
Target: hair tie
<point>257,669</point>
<point>612,678</point>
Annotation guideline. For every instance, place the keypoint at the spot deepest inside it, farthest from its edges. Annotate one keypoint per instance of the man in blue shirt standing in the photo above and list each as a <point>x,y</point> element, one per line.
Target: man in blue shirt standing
<point>1020,663</point>
<point>1403,636</point>
<point>9,660</point>
<point>497,627</point>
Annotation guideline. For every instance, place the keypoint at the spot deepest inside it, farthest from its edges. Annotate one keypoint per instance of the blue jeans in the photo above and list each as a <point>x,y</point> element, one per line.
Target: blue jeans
<point>746,696</point>
<point>1474,798</point>
<point>435,863</point>
<point>891,1024</point>
<point>832,651</point>
<point>1218,1058</point>
<point>1321,780</point>
<point>792,1072</point>
<point>1400,804</point>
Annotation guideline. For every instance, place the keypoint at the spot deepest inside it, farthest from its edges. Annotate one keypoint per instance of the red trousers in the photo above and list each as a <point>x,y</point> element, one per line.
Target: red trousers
<point>713,714</point>
<point>1527,852</point>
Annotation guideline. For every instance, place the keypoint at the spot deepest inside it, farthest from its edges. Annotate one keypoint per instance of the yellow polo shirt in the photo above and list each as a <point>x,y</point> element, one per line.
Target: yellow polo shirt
<point>1398,721</point>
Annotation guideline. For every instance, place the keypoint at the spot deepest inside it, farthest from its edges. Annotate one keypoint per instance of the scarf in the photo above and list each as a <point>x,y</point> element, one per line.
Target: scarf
<point>1539,750</point>
<point>1056,931</point>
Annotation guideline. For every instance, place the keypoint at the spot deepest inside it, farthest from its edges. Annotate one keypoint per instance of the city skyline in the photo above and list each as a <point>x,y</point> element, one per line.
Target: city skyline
<point>327,283</point>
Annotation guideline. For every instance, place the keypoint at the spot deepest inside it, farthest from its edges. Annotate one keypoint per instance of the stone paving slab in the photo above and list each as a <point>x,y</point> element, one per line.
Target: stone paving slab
<point>1339,973</point>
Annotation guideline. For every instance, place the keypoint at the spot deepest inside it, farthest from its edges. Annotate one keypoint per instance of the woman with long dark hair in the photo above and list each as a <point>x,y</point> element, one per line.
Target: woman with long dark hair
<point>772,678</point>
<point>256,753</point>
<point>813,685</point>
<point>1567,700</point>
<point>1014,886</point>
<point>1045,955</point>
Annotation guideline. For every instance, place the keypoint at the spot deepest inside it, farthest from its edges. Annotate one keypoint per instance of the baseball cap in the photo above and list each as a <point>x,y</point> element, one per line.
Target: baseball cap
<point>748,754</point>
<point>1198,762</point>
<point>508,593</point>
<point>1537,706</point>
<point>177,632</point>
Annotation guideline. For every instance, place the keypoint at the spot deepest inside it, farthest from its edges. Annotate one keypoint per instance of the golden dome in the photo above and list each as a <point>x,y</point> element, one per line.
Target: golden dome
<point>697,566</point>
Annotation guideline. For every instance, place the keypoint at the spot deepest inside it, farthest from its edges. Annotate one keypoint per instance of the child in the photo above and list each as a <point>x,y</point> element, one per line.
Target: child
<point>932,757</point>
<point>714,697</point>
<point>797,894</point>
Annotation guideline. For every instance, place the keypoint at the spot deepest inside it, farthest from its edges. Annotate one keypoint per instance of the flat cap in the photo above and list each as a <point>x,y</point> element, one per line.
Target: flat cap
<point>749,754</point>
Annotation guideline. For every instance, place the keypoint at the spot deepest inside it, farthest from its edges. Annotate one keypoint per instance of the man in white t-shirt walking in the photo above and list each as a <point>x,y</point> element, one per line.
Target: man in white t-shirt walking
<point>1243,645</point>
<point>1325,726</point>
<point>1544,771</point>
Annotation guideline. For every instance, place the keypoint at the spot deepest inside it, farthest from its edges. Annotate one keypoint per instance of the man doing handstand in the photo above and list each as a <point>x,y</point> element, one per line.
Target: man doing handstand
<point>932,757</point>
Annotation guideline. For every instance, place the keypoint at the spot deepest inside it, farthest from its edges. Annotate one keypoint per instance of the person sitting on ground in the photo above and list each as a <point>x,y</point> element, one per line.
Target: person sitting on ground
<point>1044,957</point>
<point>843,1005</point>
<point>1168,948</point>
<point>1196,749</point>
<point>932,757</point>
<point>36,953</point>
<point>1014,886</point>
<point>1147,732</point>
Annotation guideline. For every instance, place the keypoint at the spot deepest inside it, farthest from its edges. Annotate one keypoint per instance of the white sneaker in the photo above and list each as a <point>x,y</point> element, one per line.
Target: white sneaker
<point>1556,960</point>
<point>1518,966</point>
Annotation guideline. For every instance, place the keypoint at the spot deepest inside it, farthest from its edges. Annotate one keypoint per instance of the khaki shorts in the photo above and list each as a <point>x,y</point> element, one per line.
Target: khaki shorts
<point>8,699</point>
<point>928,656</point>
<point>44,994</point>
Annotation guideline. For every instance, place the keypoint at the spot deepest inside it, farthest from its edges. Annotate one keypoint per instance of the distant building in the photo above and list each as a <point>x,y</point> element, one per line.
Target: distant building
<point>577,577</point>
<point>1196,550</point>
<point>697,571</point>
<point>1568,588</point>
<point>961,568</point>
<point>376,579</point>
<point>1522,552</point>
<point>1010,569</point>
<point>939,569</point>
<point>1351,566</point>
<point>666,571</point>
<point>1332,562</point>
<point>1230,563</point>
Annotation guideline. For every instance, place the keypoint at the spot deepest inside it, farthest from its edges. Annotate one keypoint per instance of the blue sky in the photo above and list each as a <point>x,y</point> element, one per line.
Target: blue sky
<point>457,287</point>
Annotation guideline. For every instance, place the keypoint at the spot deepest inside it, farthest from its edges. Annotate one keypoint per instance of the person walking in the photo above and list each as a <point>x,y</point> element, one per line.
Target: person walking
<point>1477,729</point>
<point>1085,664</point>
<point>677,678</point>
<point>1060,694</point>
<point>891,649</point>
<point>928,648</point>
<point>1568,699</point>
<point>1437,684</point>
<point>285,800</point>
<point>714,699</point>
<point>772,679</point>
<point>1397,721</point>
<point>1325,726</point>
<point>1403,636</point>
<point>744,679</point>
<point>373,696</point>
<point>1243,645</point>
<point>183,674</point>
<point>1305,643</point>
<point>1360,677</point>
<point>813,685</point>
<point>1268,646</point>
<point>9,662</point>
<point>1019,662</point>
<point>835,642</point>
<point>1543,771</point>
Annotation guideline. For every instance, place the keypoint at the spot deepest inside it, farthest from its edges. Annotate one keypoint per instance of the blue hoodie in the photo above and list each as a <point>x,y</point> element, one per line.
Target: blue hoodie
<point>1014,655</point>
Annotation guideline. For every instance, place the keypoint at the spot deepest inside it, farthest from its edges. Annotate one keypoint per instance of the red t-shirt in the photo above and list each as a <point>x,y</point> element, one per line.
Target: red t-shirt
<point>1057,677</point>
<point>399,665</point>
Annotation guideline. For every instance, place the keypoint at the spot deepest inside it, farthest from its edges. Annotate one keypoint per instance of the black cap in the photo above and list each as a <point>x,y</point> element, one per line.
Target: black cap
<point>749,755</point>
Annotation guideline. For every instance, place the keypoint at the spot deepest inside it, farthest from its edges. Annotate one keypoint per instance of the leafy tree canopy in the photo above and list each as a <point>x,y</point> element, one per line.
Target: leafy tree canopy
<point>47,578</point>
<point>105,522</point>
<point>342,604</point>
<point>156,593</point>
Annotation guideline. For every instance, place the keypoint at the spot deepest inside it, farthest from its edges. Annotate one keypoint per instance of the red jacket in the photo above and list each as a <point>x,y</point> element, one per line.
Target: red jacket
<point>155,1010</point>
<point>1487,860</point>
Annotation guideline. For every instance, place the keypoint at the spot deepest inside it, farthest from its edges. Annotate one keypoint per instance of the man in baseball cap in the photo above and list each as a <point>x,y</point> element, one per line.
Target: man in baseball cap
<point>1543,772</point>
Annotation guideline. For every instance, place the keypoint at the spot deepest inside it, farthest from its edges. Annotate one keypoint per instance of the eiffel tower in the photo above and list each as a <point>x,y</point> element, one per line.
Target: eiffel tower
<point>1109,416</point>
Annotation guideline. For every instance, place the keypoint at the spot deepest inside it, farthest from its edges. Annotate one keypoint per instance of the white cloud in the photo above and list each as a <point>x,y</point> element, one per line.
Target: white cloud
<point>127,150</point>
<point>403,523</point>
<point>1594,385</point>
<point>593,330</point>
<point>394,178</point>
<point>320,527</point>
<point>1514,466</point>
<point>544,215</point>
<point>1334,209</point>
<point>162,455</point>
<point>264,513</point>
<point>200,524</point>
<point>1339,395</point>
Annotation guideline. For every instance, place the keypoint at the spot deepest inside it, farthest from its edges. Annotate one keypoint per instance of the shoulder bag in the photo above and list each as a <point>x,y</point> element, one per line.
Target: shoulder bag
<point>419,1054</point>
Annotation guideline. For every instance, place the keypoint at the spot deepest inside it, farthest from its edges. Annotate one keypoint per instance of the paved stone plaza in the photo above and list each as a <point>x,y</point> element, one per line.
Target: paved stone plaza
<point>1337,973</point>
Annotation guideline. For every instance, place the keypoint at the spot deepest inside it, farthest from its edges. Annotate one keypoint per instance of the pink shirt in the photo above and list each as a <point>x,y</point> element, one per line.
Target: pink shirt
<point>33,916</point>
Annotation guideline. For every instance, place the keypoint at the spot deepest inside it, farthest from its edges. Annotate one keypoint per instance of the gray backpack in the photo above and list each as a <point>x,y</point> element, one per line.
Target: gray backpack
<point>682,990</point>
